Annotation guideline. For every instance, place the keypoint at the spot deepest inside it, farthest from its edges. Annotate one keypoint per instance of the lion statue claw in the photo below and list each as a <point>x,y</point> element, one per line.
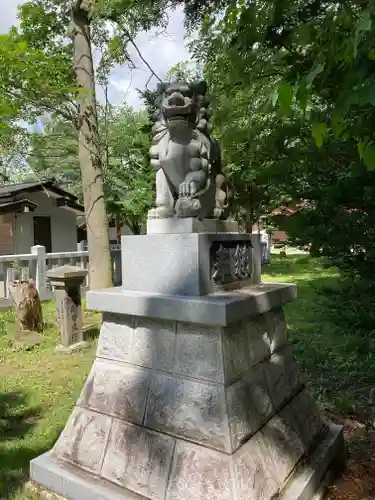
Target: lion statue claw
<point>189,182</point>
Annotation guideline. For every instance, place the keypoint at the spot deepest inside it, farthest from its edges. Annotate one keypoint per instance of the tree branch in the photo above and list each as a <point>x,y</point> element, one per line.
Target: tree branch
<point>130,39</point>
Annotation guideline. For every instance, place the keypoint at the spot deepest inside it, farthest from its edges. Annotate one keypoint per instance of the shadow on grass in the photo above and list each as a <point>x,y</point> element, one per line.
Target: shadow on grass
<point>91,332</point>
<point>16,421</point>
<point>332,328</point>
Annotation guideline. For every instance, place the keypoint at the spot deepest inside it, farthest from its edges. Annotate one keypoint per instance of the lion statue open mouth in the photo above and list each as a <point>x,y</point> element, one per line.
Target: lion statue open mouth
<point>189,182</point>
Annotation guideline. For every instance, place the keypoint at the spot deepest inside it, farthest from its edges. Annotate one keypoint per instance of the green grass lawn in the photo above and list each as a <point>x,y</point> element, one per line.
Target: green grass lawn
<point>332,329</point>
<point>331,333</point>
<point>38,389</point>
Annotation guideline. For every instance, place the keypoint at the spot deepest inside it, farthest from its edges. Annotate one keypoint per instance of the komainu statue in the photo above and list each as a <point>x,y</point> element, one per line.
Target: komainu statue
<point>189,182</point>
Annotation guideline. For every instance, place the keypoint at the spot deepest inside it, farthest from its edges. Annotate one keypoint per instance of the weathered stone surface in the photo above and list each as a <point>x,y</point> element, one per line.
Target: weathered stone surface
<point>190,409</point>
<point>254,472</point>
<point>277,331</point>
<point>66,282</point>
<point>118,390</point>
<point>307,420</point>
<point>199,352</point>
<point>283,443</point>
<point>116,337</point>
<point>236,352</point>
<point>154,343</point>
<point>138,459</point>
<point>282,375</point>
<point>249,406</point>
<point>257,338</point>
<point>189,182</point>
<point>199,474</point>
<point>84,439</point>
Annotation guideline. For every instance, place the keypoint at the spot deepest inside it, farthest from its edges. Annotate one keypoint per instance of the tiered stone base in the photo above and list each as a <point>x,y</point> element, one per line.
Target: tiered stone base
<point>175,410</point>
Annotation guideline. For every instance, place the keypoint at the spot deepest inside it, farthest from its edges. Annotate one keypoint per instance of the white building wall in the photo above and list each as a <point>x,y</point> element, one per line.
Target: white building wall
<point>63,225</point>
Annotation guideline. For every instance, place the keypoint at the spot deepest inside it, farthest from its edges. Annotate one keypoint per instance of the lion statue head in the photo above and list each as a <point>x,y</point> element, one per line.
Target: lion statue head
<point>182,104</point>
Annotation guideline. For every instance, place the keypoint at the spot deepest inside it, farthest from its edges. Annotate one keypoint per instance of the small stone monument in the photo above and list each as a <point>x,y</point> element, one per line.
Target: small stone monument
<point>66,282</point>
<point>195,393</point>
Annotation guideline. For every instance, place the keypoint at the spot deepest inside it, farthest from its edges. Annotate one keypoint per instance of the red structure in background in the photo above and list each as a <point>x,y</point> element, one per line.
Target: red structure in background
<point>281,236</point>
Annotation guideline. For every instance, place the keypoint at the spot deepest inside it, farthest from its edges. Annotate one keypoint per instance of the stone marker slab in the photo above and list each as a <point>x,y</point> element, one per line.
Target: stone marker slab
<point>66,282</point>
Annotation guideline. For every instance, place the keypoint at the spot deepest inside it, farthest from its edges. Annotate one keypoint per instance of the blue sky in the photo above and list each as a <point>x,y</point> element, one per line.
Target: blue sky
<point>161,51</point>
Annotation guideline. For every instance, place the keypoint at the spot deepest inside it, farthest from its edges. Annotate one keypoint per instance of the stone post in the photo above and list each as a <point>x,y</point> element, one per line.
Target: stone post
<point>41,268</point>
<point>66,282</point>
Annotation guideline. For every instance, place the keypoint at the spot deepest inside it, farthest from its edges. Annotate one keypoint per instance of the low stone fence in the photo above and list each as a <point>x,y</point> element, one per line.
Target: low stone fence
<point>36,264</point>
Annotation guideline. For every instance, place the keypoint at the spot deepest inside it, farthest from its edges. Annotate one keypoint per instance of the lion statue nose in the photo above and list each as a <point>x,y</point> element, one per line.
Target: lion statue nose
<point>176,99</point>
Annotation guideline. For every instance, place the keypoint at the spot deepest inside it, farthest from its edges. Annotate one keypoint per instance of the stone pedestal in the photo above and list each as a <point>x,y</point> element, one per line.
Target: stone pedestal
<point>66,282</point>
<point>174,225</point>
<point>192,264</point>
<point>192,397</point>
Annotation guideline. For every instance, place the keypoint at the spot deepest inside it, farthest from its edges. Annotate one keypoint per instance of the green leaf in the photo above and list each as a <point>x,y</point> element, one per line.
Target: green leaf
<point>361,146</point>
<point>304,34</point>
<point>365,22</point>
<point>319,132</point>
<point>337,125</point>
<point>364,25</point>
<point>315,71</point>
<point>302,96</point>
<point>369,157</point>
<point>274,96</point>
<point>286,98</point>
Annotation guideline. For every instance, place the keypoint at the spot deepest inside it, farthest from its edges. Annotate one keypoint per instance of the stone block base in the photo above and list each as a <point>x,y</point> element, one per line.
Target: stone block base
<point>190,480</point>
<point>177,410</point>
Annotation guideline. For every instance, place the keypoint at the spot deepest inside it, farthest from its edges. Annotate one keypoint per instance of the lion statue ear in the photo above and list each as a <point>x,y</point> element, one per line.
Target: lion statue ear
<point>161,86</point>
<point>200,87</point>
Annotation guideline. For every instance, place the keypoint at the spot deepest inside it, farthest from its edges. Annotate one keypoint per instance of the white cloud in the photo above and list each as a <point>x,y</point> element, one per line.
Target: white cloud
<point>160,50</point>
<point>8,14</point>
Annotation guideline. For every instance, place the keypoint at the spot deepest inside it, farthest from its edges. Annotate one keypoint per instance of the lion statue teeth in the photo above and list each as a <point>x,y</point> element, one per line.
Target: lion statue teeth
<point>189,182</point>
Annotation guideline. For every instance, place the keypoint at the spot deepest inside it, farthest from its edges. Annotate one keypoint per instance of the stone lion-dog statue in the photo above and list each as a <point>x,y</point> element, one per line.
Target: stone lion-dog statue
<point>189,182</point>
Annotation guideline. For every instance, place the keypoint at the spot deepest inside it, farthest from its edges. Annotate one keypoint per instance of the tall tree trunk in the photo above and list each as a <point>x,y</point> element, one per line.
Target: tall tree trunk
<point>89,154</point>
